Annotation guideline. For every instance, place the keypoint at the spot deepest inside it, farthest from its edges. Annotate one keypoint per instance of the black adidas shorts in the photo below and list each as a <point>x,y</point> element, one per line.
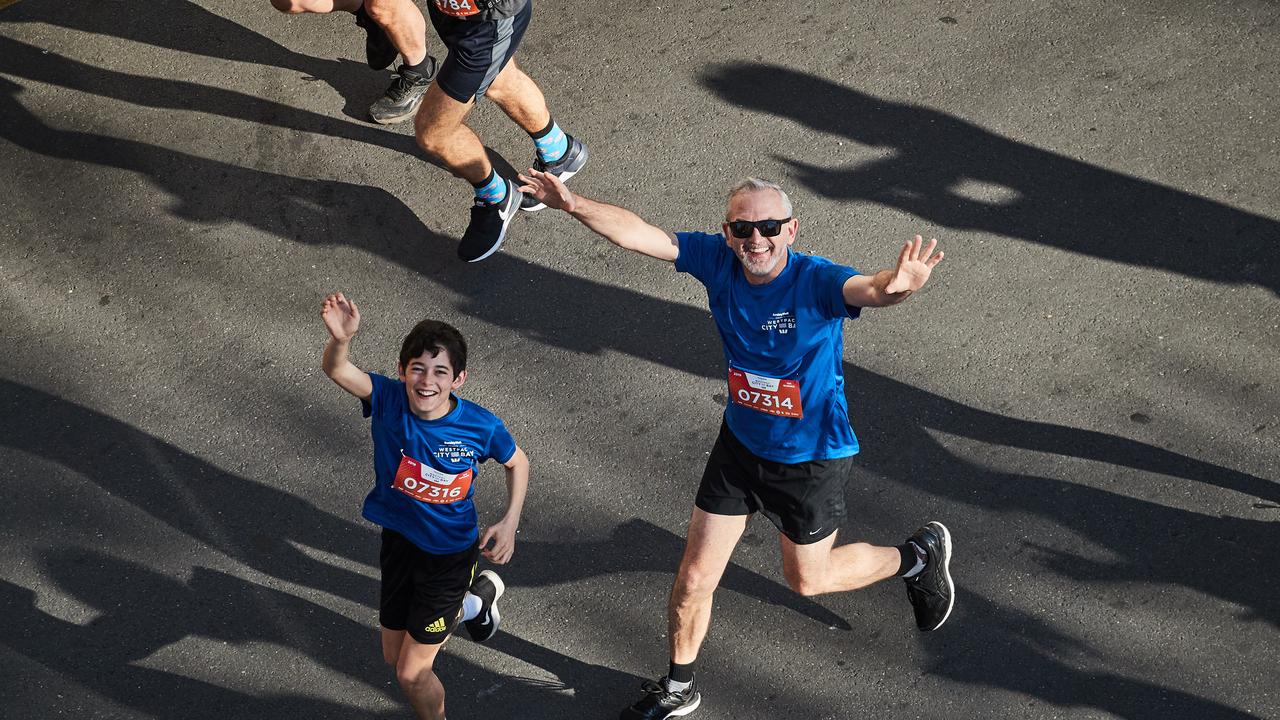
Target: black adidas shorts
<point>422,592</point>
<point>478,49</point>
<point>805,501</point>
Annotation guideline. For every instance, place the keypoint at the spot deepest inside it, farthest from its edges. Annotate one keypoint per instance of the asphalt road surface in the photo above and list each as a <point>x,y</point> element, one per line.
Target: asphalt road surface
<point>1087,393</point>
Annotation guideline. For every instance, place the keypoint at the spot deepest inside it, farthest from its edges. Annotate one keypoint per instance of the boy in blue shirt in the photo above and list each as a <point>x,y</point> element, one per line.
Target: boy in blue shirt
<point>785,447</point>
<point>428,444</point>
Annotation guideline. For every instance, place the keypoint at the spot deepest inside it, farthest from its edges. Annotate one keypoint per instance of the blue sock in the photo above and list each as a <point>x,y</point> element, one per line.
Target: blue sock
<point>493,191</point>
<point>551,141</point>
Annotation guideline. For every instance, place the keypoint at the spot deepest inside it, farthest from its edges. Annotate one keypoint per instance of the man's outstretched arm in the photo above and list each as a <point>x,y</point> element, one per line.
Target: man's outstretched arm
<point>890,287</point>
<point>615,224</point>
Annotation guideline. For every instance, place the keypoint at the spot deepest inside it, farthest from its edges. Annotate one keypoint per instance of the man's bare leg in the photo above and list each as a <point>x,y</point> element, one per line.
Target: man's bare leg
<point>823,568</point>
<point>711,541</point>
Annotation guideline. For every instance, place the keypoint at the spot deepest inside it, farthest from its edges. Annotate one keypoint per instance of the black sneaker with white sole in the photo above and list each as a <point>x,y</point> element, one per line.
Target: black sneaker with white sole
<point>659,702</point>
<point>488,226</point>
<point>569,164</point>
<point>403,95</point>
<point>378,50</point>
<point>931,591</point>
<point>488,587</point>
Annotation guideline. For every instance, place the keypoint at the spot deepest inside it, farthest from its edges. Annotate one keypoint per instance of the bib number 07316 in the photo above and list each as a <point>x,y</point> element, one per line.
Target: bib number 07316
<point>761,393</point>
<point>426,484</point>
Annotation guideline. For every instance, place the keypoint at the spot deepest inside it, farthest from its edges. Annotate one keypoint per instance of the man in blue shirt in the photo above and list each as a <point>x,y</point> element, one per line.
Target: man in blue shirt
<point>428,444</point>
<point>785,447</point>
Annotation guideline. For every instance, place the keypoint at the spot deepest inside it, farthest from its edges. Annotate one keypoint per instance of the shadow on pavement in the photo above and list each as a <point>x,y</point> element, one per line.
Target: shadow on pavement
<point>1057,201</point>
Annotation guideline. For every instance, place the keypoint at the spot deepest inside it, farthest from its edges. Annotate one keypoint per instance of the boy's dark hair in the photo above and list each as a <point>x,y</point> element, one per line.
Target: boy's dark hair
<point>433,336</point>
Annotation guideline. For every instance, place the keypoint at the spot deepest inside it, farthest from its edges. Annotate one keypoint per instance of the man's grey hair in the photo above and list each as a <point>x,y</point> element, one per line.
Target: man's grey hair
<point>754,184</point>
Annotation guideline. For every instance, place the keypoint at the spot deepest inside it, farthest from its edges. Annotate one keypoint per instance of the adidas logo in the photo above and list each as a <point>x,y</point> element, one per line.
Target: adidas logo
<point>437,627</point>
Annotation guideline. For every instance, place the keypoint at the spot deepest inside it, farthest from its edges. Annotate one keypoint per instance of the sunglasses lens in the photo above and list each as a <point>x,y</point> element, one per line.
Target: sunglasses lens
<point>741,229</point>
<point>769,228</point>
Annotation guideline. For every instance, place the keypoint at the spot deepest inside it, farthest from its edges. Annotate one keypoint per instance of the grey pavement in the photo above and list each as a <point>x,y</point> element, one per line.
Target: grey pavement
<point>1087,393</point>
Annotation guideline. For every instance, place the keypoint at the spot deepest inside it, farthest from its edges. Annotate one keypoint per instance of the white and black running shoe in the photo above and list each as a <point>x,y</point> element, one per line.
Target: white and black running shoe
<point>488,587</point>
<point>488,225</point>
<point>569,164</point>
<point>931,591</point>
<point>659,702</point>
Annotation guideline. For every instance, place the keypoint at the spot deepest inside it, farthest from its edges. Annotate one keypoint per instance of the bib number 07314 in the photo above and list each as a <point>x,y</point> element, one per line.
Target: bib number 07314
<point>772,396</point>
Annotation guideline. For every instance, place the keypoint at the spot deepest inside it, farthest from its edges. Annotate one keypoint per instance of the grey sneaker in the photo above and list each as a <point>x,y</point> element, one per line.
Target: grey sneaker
<point>403,96</point>
<point>931,592</point>
<point>573,160</point>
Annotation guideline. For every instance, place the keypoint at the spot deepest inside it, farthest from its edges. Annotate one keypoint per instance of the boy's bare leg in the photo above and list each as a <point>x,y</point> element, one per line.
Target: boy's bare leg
<point>711,541</point>
<point>414,671</point>
<point>520,98</point>
<point>822,568</point>
<point>443,134</point>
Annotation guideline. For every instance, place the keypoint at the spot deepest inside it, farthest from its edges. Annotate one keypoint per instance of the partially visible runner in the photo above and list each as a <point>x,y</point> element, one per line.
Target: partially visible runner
<point>785,447</point>
<point>482,37</point>
<point>428,444</point>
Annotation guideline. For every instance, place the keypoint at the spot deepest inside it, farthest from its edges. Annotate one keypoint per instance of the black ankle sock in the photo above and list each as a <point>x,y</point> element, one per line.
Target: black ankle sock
<point>680,673</point>
<point>908,554</point>
<point>551,123</point>
<point>426,68</point>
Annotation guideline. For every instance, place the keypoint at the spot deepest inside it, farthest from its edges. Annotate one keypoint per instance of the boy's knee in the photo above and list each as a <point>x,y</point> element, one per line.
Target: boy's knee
<point>413,680</point>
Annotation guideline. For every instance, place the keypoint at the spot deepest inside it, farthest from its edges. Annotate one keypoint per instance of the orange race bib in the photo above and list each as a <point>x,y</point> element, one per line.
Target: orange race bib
<point>765,394</point>
<point>426,484</point>
<point>457,8</point>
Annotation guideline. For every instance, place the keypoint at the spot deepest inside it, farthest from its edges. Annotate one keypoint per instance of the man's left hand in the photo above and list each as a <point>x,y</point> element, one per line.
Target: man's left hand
<point>915,263</point>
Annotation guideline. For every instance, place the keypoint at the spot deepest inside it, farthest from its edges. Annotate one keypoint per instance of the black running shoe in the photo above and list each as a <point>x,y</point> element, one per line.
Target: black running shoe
<point>931,591</point>
<point>573,160</point>
<point>488,587</point>
<point>378,50</point>
<point>488,226</point>
<point>403,96</point>
<point>659,702</point>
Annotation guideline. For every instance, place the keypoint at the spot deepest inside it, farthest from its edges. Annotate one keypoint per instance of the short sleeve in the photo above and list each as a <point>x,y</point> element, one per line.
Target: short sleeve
<point>501,445</point>
<point>385,400</point>
<point>829,291</point>
<point>700,254</point>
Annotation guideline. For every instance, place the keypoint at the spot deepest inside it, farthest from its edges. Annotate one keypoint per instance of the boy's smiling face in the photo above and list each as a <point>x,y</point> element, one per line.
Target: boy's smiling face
<point>428,380</point>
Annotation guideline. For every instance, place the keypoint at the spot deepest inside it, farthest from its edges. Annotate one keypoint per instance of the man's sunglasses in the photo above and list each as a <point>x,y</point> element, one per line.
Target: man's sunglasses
<point>741,229</point>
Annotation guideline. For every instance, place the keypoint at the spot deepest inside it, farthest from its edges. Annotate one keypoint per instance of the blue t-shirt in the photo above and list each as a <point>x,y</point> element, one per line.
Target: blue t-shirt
<point>424,470</point>
<point>777,335</point>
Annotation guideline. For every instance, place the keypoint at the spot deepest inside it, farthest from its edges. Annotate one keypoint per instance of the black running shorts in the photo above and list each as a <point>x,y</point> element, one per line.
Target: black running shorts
<point>478,49</point>
<point>422,592</point>
<point>805,501</point>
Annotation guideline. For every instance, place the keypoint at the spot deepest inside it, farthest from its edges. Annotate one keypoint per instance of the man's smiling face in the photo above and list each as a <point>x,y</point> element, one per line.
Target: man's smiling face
<point>763,258</point>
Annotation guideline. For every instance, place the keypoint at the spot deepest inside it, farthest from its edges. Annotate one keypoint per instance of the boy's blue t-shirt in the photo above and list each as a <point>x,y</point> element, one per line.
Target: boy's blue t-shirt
<point>784,346</point>
<point>424,470</point>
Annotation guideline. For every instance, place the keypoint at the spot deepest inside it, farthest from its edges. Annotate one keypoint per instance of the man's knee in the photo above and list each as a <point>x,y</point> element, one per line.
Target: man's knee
<point>807,585</point>
<point>382,11</point>
<point>693,585</point>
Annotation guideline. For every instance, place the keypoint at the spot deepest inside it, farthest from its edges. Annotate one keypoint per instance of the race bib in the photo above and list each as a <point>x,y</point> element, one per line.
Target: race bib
<point>426,484</point>
<point>765,394</point>
<point>457,8</point>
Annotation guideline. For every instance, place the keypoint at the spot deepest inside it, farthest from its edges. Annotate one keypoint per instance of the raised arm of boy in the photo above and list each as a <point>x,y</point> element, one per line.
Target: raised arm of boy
<point>503,532</point>
<point>342,320</point>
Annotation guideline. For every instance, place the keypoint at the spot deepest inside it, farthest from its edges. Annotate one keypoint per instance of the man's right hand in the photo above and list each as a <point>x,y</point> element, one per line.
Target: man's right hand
<point>341,317</point>
<point>548,189</point>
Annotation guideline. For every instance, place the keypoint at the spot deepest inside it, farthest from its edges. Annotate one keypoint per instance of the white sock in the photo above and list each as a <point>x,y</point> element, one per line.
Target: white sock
<point>921,556</point>
<point>673,686</point>
<point>471,605</point>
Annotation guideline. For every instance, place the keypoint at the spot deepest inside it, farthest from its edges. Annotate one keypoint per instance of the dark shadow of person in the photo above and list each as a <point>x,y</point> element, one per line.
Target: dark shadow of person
<point>141,612</point>
<point>186,27</point>
<point>254,523</point>
<point>1055,200</point>
<point>1023,653</point>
